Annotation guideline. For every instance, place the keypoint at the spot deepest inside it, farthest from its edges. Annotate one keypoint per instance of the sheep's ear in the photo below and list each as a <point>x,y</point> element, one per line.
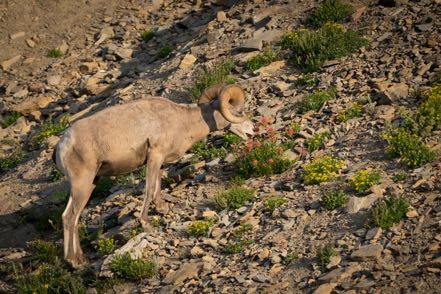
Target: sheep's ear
<point>210,94</point>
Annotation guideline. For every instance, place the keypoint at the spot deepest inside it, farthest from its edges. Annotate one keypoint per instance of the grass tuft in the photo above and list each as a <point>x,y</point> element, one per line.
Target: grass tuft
<point>125,267</point>
<point>325,253</point>
<point>390,211</point>
<point>333,199</point>
<point>12,160</point>
<point>233,198</point>
<point>106,246</point>
<point>310,49</point>
<point>43,251</point>
<point>351,112</point>
<point>55,53</point>
<point>102,188</point>
<point>165,51</point>
<point>329,11</point>
<point>263,59</point>
<point>10,119</point>
<point>274,202</point>
<point>49,129</point>
<point>218,74</point>
<point>317,141</point>
<point>147,36</point>
<point>316,100</point>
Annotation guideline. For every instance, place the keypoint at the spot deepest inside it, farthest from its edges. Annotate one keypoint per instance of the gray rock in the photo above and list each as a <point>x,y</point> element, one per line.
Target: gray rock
<point>185,272</point>
<point>356,204</point>
<point>252,45</point>
<point>368,252</point>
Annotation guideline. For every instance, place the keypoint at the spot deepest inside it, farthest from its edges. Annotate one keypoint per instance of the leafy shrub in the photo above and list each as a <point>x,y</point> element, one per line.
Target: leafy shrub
<point>353,111</point>
<point>310,49</point>
<point>399,176</point>
<point>204,151</point>
<point>10,119</point>
<point>55,173</point>
<point>218,74</point>
<point>49,129</point>
<point>147,35</point>
<point>48,278</point>
<point>274,202</point>
<point>199,228</point>
<point>263,59</point>
<point>390,211</point>
<point>106,246</point>
<point>165,51</point>
<point>325,253</point>
<point>60,196</point>
<point>12,160</point>
<point>428,114</point>
<point>321,169</point>
<point>307,79</point>
<point>408,147</point>
<point>125,267</point>
<point>316,100</point>
<point>234,197</point>
<point>55,53</point>
<point>317,141</point>
<point>103,187</point>
<point>44,251</point>
<point>329,11</point>
<point>231,139</point>
<point>261,158</point>
<point>242,230</point>
<point>237,246</point>
<point>333,199</point>
<point>363,180</point>
<point>290,257</point>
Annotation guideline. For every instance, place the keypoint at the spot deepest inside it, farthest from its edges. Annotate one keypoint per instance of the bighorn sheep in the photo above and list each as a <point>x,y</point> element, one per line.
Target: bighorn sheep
<point>122,138</point>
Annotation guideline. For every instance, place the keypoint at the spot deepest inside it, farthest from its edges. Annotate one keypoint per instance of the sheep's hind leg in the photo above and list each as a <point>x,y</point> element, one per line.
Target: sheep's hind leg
<point>80,190</point>
<point>161,206</point>
<point>152,184</point>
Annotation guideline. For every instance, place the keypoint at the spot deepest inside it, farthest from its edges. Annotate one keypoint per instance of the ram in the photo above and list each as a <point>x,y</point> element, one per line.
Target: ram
<point>149,131</point>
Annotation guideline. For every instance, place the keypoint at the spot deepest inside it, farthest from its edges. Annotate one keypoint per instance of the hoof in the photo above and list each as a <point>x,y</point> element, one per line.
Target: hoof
<point>78,263</point>
<point>162,207</point>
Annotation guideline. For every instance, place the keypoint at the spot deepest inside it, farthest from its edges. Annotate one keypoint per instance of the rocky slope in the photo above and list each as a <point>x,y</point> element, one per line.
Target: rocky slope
<point>105,62</point>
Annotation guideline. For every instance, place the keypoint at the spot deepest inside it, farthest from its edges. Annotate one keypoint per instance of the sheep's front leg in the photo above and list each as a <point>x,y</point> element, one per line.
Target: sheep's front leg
<point>152,184</point>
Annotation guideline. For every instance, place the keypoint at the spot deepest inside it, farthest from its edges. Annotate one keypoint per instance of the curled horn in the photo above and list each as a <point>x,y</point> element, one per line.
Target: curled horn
<point>210,94</point>
<point>232,95</point>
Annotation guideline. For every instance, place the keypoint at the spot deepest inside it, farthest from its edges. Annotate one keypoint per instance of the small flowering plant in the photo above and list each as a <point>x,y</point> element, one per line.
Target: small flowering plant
<point>263,155</point>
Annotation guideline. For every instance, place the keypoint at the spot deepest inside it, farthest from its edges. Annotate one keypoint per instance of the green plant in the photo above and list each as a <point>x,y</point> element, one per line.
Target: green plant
<point>399,176</point>
<point>310,49</point>
<point>261,158</point>
<point>321,169</point>
<point>428,114</point>
<point>125,267</point>
<point>60,196</point>
<point>199,228</point>
<point>147,35</point>
<point>48,279</point>
<point>12,160</point>
<point>231,139</point>
<point>317,141</point>
<point>44,251</point>
<point>389,211</point>
<point>234,197</point>
<point>408,147</point>
<point>165,51</point>
<point>10,119</point>
<point>260,60</point>
<point>316,100</point>
<point>363,180</point>
<point>307,79</point>
<point>353,111</point>
<point>325,253</point>
<point>290,257</point>
<point>47,219</point>
<point>218,74</point>
<point>103,187</point>
<point>329,11</point>
<point>49,129</point>
<point>237,246</point>
<point>274,202</point>
<point>106,246</point>
<point>55,173</point>
<point>333,199</point>
<point>204,151</point>
<point>157,222</point>
<point>55,53</point>
<point>242,230</point>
